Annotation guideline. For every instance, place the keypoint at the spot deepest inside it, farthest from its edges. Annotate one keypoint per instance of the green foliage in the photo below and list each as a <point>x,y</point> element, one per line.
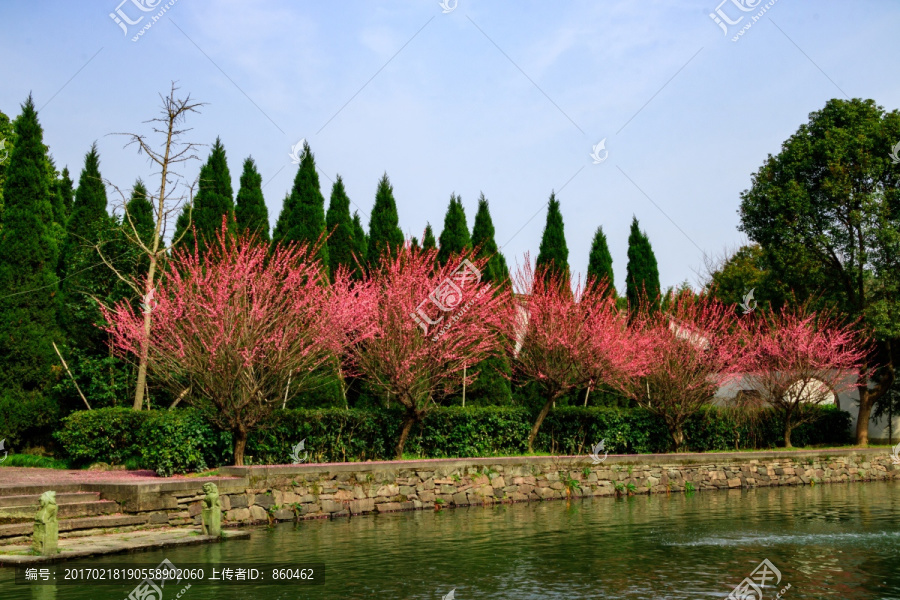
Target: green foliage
<point>7,142</point>
<point>166,441</point>
<point>302,217</point>
<point>384,229</point>
<point>214,199</point>
<point>428,241</point>
<point>139,214</point>
<point>250,210</point>
<point>826,210</point>
<point>454,239</point>
<point>600,267</point>
<point>340,229</point>
<point>180,441</point>
<point>360,247</point>
<point>34,461</point>
<point>27,419</point>
<point>642,274</point>
<point>496,271</point>
<point>492,385</point>
<point>88,212</point>
<point>101,435</point>
<point>65,193</point>
<point>554,253</point>
<point>29,255</point>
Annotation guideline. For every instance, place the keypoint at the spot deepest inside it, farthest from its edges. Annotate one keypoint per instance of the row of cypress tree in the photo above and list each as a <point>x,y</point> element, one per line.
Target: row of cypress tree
<point>52,278</point>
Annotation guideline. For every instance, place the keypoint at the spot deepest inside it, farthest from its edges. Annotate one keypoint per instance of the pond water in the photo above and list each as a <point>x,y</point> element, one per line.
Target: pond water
<point>832,541</point>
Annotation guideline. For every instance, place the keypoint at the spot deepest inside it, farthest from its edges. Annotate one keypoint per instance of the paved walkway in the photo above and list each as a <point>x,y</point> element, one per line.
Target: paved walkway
<point>19,476</point>
<point>112,543</point>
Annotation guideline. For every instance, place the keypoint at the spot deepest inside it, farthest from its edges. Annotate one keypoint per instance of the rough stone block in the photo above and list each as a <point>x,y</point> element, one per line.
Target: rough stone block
<point>238,501</point>
<point>258,513</point>
<point>362,506</point>
<point>238,514</point>
<point>284,514</point>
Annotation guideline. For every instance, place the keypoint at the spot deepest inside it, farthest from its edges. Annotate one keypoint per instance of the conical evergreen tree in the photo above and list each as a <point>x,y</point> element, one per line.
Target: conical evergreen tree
<point>302,218</point>
<point>139,212</point>
<point>89,214</point>
<point>60,216</point>
<point>360,247</point>
<point>183,238</point>
<point>455,238</point>
<point>483,239</point>
<point>428,241</point>
<point>250,210</point>
<point>340,228</point>
<point>65,191</point>
<point>642,277</point>
<point>384,231</point>
<point>214,199</point>
<point>28,262</point>
<point>600,267</point>
<point>89,227</point>
<point>553,254</point>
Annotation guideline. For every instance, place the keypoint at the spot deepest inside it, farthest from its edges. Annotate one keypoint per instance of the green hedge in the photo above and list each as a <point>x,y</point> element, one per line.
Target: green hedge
<point>183,440</point>
<point>164,441</point>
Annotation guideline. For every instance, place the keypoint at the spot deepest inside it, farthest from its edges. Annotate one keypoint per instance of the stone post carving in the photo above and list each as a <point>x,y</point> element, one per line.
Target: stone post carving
<point>212,510</point>
<point>46,526</point>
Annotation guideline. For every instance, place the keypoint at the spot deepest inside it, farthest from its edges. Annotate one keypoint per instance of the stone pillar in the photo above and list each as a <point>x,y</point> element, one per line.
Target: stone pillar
<point>212,510</point>
<point>46,526</point>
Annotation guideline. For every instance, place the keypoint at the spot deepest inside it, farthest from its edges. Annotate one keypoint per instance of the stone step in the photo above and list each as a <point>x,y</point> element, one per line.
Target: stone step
<point>22,514</point>
<point>35,499</point>
<point>71,525</point>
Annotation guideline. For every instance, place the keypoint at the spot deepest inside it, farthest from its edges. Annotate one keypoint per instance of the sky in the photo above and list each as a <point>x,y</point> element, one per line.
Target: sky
<point>467,97</point>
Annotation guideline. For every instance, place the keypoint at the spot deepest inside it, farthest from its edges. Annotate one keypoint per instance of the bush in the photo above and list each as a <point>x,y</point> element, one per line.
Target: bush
<point>183,440</point>
<point>180,441</point>
<point>177,441</point>
<point>101,435</point>
<point>27,420</point>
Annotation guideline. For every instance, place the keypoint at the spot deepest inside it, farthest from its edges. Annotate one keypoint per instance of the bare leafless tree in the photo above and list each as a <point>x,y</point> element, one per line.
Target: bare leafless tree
<point>171,195</point>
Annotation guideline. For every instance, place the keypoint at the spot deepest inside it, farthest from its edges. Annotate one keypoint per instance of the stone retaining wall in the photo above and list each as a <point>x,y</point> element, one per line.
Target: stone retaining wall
<point>286,493</point>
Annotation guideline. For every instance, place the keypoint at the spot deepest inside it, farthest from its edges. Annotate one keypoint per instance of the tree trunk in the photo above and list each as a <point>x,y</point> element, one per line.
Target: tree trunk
<point>145,347</point>
<point>677,437</point>
<point>240,444</point>
<point>408,421</point>
<point>540,419</point>
<point>862,419</point>
<point>868,398</point>
<point>587,393</point>
<point>787,433</point>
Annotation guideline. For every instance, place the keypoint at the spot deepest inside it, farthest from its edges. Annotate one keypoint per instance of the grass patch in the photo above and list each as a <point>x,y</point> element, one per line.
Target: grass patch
<point>32,460</point>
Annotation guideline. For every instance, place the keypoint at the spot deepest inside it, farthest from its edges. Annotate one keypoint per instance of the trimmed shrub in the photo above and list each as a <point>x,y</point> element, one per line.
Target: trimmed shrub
<point>101,435</point>
<point>181,441</point>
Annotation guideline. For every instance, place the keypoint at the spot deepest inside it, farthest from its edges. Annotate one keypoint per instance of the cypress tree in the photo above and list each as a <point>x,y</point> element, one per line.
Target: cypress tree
<point>455,238</point>
<point>360,247</point>
<point>302,218</point>
<point>183,228</point>
<point>139,212</point>
<point>28,262</point>
<point>88,212</point>
<point>428,241</point>
<point>600,262</point>
<point>642,276</point>
<point>250,210</point>
<point>553,254</point>
<point>483,238</point>
<point>89,227</point>
<point>340,228</point>
<point>384,232</point>
<point>65,190</point>
<point>214,199</point>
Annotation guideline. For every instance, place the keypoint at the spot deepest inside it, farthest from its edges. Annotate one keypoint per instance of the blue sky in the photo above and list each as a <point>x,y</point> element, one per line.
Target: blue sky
<point>501,98</point>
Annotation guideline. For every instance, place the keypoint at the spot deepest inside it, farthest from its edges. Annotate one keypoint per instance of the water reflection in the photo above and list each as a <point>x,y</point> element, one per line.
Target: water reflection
<point>833,541</point>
